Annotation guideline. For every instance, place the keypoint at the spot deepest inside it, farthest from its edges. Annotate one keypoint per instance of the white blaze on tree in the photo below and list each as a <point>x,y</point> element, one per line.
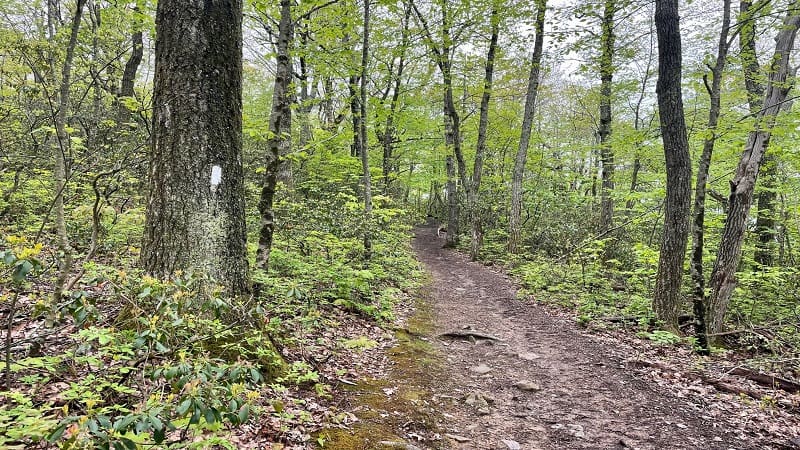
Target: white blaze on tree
<point>216,176</point>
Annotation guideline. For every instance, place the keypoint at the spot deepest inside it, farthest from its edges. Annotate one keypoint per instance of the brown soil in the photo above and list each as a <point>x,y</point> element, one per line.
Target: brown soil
<point>581,393</point>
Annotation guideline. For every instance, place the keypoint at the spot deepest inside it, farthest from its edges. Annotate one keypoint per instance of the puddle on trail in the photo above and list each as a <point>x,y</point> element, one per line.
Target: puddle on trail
<point>398,410</point>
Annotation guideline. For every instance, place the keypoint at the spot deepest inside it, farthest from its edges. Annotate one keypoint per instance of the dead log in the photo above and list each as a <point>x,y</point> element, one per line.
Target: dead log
<point>718,383</point>
<point>769,381</point>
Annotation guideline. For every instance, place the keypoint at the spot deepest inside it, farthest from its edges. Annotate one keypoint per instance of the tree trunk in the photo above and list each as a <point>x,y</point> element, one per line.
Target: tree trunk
<point>604,130</point>
<point>389,132</point>
<point>195,216</point>
<point>62,152</point>
<point>355,114</point>
<point>362,136</point>
<point>483,123</point>
<point>638,124</point>
<point>667,299</point>
<point>280,139</point>
<point>452,205</point>
<point>514,226</point>
<point>765,222</point>
<point>723,276</point>
<point>698,216</point>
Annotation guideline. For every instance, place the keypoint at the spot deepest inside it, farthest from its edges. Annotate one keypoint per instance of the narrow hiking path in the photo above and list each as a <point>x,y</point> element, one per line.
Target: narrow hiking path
<point>545,383</point>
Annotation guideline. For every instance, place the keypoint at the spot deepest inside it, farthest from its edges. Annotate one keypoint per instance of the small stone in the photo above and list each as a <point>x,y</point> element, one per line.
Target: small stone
<point>484,411</point>
<point>511,444</point>
<point>457,438</point>
<point>529,386</point>
<point>528,356</point>
<point>576,430</point>
<point>483,369</point>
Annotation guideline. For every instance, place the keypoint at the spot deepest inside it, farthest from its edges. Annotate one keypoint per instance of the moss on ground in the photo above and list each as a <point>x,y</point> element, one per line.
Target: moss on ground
<point>388,409</point>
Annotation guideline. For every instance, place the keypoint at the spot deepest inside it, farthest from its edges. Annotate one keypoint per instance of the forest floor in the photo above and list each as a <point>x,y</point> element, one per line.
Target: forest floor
<point>539,381</point>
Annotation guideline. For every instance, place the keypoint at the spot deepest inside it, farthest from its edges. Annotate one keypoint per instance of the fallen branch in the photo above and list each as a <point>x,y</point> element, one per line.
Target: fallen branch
<point>469,334</point>
<point>718,383</point>
<point>769,381</point>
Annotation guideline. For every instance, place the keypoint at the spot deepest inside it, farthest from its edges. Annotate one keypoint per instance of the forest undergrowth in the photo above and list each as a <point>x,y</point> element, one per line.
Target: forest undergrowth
<point>126,361</point>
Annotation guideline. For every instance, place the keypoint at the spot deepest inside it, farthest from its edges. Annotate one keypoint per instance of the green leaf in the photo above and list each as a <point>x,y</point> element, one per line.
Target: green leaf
<point>8,257</point>
<point>57,433</point>
<point>244,413</point>
<point>195,417</point>
<point>129,444</point>
<point>157,423</point>
<point>104,421</point>
<point>122,424</point>
<point>183,408</point>
<point>159,435</point>
<point>21,270</point>
<point>210,417</point>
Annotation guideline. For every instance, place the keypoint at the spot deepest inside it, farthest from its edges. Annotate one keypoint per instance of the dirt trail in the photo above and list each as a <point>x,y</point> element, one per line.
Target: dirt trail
<point>550,384</point>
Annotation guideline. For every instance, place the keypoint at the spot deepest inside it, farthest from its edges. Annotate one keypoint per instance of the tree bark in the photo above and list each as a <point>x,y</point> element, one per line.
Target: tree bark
<point>452,204</point>
<point>638,125</point>
<point>765,222</point>
<point>280,139</point>
<point>723,276</point>
<point>452,120</point>
<point>62,152</point>
<point>698,215</point>
<point>389,131</point>
<point>604,130</point>
<point>195,217</point>
<point>514,225</point>
<point>667,299</point>
<point>362,135</point>
<point>473,192</point>
<point>355,114</point>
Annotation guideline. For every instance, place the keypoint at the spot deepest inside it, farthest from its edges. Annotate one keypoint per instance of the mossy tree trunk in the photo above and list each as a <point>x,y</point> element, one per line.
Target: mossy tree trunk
<point>62,146</point>
<point>279,143</point>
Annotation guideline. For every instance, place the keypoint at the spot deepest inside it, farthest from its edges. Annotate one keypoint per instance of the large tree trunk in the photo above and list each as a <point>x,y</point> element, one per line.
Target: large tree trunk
<point>195,209</point>
<point>483,123</point>
<point>514,225</point>
<point>698,216</point>
<point>667,299</point>
<point>362,135</point>
<point>723,277</point>
<point>604,130</point>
